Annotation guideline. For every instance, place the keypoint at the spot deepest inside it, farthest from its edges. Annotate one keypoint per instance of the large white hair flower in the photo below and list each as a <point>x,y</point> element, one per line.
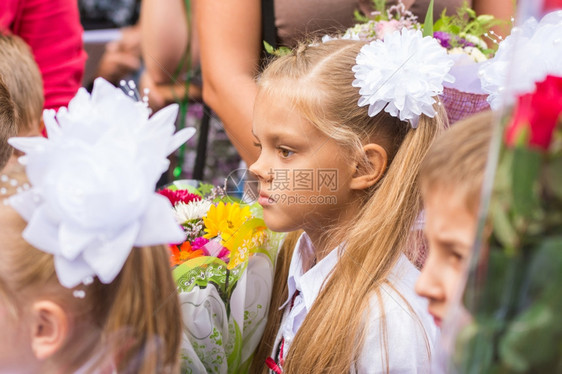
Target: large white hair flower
<point>93,183</point>
<point>530,53</point>
<point>402,75</point>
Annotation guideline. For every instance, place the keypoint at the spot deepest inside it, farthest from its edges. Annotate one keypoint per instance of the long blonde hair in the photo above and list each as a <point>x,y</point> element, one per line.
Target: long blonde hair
<point>133,322</point>
<point>317,79</point>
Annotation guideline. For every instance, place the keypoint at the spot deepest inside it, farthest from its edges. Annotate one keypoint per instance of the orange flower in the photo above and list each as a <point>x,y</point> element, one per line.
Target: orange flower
<point>183,253</point>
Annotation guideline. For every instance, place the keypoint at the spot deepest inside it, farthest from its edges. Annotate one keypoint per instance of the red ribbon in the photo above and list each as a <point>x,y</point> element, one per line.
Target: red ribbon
<point>273,365</point>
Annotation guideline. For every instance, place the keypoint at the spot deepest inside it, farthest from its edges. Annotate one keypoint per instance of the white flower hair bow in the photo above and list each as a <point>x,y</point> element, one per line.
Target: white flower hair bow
<point>530,53</point>
<point>402,75</point>
<point>94,180</point>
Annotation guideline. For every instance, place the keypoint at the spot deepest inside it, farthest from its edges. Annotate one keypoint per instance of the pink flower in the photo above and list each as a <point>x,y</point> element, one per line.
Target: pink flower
<point>199,242</point>
<point>224,254</point>
<point>387,27</point>
<point>179,196</point>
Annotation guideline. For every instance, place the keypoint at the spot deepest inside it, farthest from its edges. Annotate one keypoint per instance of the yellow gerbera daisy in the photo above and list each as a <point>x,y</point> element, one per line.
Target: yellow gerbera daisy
<point>224,220</point>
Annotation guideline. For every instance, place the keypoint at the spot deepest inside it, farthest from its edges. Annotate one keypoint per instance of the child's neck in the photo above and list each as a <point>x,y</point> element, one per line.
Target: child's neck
<point>322,245</point>
<point>324,242</point>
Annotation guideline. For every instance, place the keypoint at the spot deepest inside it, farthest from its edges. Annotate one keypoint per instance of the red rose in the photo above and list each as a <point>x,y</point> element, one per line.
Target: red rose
<point>537,112</point>
<point>550,5</point>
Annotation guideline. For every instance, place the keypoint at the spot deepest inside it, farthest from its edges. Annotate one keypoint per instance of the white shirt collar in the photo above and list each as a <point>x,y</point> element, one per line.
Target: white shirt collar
<point>310,283</point>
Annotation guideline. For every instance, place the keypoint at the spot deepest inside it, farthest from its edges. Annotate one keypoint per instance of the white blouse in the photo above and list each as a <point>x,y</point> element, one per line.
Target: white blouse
<point>411,332</point>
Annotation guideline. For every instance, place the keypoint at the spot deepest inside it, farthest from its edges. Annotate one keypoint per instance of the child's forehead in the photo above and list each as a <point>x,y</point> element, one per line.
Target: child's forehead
<point>445,192</point>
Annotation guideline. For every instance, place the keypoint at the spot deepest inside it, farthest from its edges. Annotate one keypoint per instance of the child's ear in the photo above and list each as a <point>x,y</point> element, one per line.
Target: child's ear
<point>49,328</point>
<point>367,175</point>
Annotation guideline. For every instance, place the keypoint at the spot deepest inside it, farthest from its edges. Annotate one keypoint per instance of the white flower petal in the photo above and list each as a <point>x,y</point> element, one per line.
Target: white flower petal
<point>28,144</point>
<point>191,211</point>
<point>25,203</point>
<point>158,225</point>
<point>41,232</point>
<point>51,125</point>
<point>165,116</point>
<point>180,138</point>
<point>73,240</point>
<point>108,258</point>
<point>72,273</point>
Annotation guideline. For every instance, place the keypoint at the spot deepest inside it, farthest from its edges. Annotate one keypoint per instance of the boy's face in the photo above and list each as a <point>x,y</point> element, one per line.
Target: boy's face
<point>450,227</point>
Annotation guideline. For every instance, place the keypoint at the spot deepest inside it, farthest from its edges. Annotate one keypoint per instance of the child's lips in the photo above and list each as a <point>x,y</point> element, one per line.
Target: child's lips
<point>437,321</point>
<point>436,318</point>
<point>264,199</point>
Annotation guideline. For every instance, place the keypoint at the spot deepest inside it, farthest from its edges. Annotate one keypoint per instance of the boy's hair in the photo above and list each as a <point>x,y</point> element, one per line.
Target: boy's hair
<point>7,124</point>
<point>23,79</point>
<point>457,159</point>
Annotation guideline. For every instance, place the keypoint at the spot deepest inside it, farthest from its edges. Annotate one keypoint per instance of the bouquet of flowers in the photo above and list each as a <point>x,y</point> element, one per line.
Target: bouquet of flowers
<point>462,35</point>
<point>513,289</point>
<point>224,274</point>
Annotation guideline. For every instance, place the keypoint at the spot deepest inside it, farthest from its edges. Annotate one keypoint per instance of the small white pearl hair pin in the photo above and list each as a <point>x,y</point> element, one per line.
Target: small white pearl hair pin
<point>130,88</point>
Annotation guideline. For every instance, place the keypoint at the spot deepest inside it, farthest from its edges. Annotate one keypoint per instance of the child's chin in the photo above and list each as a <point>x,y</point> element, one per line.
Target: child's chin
<point>277,226</point>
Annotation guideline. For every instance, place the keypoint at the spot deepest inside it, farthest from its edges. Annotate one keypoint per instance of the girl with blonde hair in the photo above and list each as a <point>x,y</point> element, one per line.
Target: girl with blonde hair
<point>347,176</point>
<point>85,280</point>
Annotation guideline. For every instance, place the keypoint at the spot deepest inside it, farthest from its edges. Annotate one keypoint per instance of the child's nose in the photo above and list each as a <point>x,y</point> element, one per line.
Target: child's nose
<point>428,284</point>
<point>259,169</point>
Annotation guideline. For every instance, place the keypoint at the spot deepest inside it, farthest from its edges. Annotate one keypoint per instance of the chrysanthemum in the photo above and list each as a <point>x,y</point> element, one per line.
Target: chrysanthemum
<point>191,211</point>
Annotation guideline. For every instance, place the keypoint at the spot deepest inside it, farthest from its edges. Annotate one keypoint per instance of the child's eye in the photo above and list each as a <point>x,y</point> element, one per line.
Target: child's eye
<point>285,153</point>
<point>258,145</point>
<point>456,255</point>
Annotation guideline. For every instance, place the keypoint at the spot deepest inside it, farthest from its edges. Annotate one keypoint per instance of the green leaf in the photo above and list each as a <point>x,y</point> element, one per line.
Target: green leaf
<point>380,6</point>
<point>439,25</point>
<point>503,227</point>
<point>234,357</point>
<point>268,48</point>
<point>360,17</point>
<point>553,178</point>
<point>455,29</point>
<point>282,51</point>
<point>530,340</point>
<point>485,18</point>
<point>469,10</point>
<point>428,24</point>
<point>545,270</point>
<point>474,346</point>
<point>205,188</point>
<point>525,172</point>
